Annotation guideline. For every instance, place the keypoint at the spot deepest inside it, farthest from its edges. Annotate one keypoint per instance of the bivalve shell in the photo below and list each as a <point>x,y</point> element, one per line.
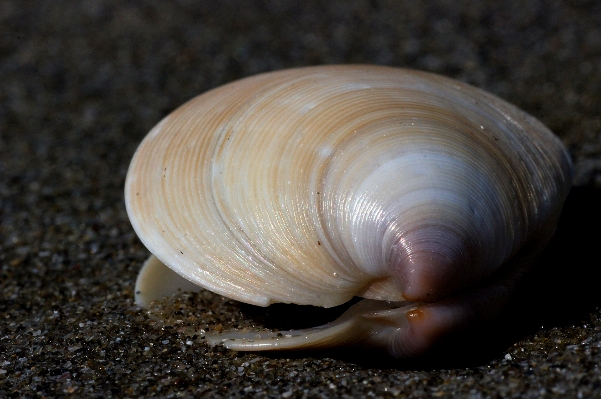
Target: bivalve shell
<point>314,185</point>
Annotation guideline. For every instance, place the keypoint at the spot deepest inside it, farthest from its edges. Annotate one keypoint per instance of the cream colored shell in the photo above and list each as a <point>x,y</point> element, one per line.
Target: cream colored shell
<point>313,185</point>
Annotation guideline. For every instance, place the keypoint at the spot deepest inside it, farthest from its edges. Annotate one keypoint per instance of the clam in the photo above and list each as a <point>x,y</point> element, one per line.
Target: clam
<point>422,194</point>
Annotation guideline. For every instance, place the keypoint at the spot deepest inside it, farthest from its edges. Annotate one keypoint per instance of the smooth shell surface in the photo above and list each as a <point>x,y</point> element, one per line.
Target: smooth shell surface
<point>318,184</point>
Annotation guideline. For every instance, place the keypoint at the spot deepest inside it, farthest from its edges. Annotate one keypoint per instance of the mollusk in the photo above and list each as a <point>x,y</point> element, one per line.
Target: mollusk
<point>423,194</point>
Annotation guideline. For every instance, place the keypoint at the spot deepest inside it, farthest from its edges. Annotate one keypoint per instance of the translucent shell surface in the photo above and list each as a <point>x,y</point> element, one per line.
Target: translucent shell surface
<point>317,184</point>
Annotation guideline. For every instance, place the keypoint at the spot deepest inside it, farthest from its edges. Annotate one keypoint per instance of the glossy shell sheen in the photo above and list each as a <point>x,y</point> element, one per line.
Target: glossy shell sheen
<point>314,185</point>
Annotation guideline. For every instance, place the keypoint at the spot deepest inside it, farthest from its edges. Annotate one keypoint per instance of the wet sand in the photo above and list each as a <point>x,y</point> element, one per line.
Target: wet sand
<point>83,82</point>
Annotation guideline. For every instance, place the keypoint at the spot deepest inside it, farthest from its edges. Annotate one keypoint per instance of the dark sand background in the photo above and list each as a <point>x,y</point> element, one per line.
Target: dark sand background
<point>82,82</point>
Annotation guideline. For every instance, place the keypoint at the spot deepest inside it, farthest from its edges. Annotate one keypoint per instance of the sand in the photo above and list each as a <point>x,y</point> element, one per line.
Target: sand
<point>82,82</point>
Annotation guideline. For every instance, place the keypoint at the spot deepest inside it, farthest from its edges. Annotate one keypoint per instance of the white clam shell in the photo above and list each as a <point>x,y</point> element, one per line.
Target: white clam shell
<point>314,185</point>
